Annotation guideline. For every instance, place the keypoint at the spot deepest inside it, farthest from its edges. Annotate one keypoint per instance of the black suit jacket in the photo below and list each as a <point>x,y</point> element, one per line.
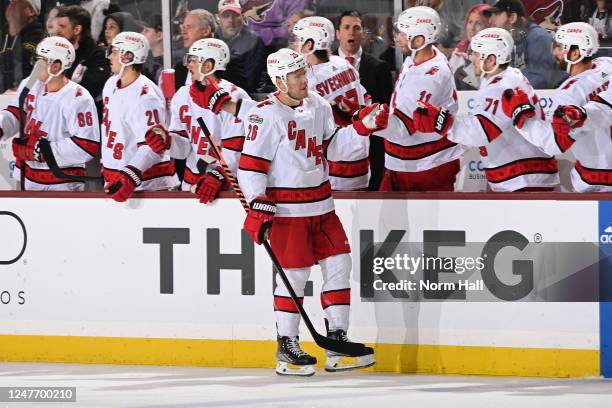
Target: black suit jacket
<point>375,76</point>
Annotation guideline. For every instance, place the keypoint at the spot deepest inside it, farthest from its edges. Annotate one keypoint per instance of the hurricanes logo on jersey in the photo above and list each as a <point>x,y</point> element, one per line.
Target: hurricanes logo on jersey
<point>432,71</point>
<point>301,142</point>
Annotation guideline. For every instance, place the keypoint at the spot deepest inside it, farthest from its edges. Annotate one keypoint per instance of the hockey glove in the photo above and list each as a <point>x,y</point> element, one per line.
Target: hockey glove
<point>516,106</point>
<point>428,118</point>
<point>209,185</point>
<point>27,149</point>
<point>158,139</point>
<point>259,219</point>
<point>208,96</point>
<point>122,184</point>
<point>566,118</point>
<point>371,118</point>
<point>344,109</point>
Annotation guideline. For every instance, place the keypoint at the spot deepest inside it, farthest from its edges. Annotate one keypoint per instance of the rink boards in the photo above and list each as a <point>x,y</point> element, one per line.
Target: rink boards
<point>164,280</point>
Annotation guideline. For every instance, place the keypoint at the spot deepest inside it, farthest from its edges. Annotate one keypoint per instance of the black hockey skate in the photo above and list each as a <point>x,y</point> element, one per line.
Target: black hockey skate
<point>292,360</point>
<point>340,362</point>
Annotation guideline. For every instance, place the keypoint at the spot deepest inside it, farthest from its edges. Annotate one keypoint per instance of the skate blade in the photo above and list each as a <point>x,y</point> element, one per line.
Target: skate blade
<point>283,368</point>
<point>346,363</point>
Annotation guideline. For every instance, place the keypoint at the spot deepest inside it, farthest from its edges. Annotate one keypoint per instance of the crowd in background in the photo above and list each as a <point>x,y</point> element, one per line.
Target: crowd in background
<point>255,28</point>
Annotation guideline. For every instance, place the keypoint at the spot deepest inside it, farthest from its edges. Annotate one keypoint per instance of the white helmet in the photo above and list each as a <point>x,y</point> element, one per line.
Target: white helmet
<point>582,35</point>
<point>493,41</point>
<point>417,21</point>
<point>283,62</point>
<point>318,29</point>
<point>56,49</point>
<point>209,48</point>
<point>135,43</point>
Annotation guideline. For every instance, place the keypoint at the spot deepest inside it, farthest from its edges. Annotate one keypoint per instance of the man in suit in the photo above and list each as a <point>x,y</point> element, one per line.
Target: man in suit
<point>375,77</point>
<point>200,24</point>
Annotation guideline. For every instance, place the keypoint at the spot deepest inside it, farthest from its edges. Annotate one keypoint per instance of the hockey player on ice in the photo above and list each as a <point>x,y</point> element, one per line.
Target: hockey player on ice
<point>283,174</point>
<point>337,81</point>
<point>575,47</point>
<point>59,110</point>
<point>133,106</point>
<point>417,161</point>
<point>510,162</point>
<point>206,61</point>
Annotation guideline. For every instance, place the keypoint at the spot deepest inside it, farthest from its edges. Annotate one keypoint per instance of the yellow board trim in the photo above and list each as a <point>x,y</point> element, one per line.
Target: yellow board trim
<point>397,358</point>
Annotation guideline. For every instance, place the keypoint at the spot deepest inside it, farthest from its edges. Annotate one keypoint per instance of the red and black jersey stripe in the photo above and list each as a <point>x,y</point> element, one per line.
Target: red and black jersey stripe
<point>417,152</point>
<point>159,170</point>
<point>346,169</point>
<point>602,177</point>
<point>253,163</point>
<point>13,110</point>
<point>44,176</point>
<point>283,195</point>
<point>233,143</point>
<point>406,120</point>
<point>522,167</point>
<point>490,129</point>
<point>89,146</point>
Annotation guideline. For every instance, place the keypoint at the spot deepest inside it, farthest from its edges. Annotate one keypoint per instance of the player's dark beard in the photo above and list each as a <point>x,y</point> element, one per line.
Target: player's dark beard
<point>561,64</point>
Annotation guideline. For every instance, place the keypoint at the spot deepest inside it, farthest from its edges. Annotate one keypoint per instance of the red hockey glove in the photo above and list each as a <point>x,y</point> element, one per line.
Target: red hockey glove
<point>566,118</point>
<point>209,185</point>
<point>428,118</point>
<point>122,184</point>
<point>516,106</point>
<point>344,109</point>
<point>208,96</point>
<point>371,118</point>
<point>158,139</point>
<point>259,219</point>
<point>27,149</point>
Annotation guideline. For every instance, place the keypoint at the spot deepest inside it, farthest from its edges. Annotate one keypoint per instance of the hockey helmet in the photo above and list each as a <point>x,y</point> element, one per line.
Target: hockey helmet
<point>134,43</point>
<point>209,48</point>
<point>56,49</point>
<point>493,41</point>
<point>581,35</point>
<point>318,29</point>
<point>417,21</point>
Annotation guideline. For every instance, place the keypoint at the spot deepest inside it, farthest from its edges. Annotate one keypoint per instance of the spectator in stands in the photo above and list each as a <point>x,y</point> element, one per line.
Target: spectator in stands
<point>460,63</point>
<point>154,34</point>
<point>601,19</point>
<point>533,44</point>
<point>375,76</point>
<point>91,68</point>
<point>50,24</point>
<point>200,24</point>
<point>242,42</point>
<point>296,16</point>
<point>19,42</point>
<point>116,23</point>
<point>269,19</point>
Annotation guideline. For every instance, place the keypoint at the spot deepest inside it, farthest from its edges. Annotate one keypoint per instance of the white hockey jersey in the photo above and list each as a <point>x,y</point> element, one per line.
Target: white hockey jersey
<point>188,140</point>
<point>510,162</point>
<point>285,155</point>
<point>591,144</point>
<point>333,80</point>
<point>599,111</point>
<point>68,119</point>
<point>127,115</point>
<point>405,149</point>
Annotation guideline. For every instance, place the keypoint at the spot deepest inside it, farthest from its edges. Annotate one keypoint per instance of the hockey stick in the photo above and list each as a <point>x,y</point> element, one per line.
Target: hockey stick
<point>341,347</point>
<point>38,67</point>
<point>47,153</point>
